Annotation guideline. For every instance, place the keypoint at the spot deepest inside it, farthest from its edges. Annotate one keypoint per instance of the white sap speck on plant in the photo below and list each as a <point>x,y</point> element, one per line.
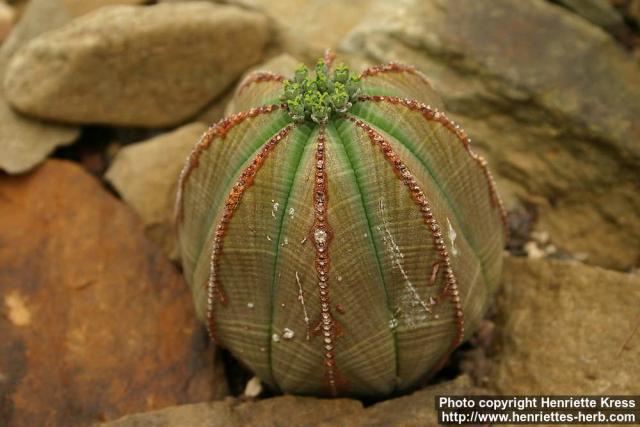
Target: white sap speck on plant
<point>393,323</point>
<point>275,208</point>
<point>250,305</point>
<point>301,299</point>
<point>288,334</point>
<point>413,306</point>
<point>292,211</point>
<point>452,238</point>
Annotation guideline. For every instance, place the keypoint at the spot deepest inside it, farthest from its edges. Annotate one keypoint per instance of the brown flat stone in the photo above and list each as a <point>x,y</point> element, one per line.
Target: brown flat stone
<point>95,322</point>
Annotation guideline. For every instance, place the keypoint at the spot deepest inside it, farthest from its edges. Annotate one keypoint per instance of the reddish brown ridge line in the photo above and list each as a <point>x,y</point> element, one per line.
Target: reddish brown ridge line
<point>219,130</point>
<point>433,114</point>
<point>259,77</point>
<point>321,234</point>
<point>393,67</point>
<point>214,287</point>
<point>418,196</point>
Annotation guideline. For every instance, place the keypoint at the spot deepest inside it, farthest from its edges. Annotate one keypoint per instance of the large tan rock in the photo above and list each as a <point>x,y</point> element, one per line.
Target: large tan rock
<point>146,176</point>
<point>81,7</point>
<point>416,410</point>
<point>95,322</point>
<point>566,328</point>
<point>149,66</point>
<point>549,98</point>
<point>305,28</point>
<point>25,142</point>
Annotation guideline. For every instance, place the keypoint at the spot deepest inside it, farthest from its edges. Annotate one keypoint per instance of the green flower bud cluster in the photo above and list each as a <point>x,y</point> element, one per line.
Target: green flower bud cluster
<point>319,97</point>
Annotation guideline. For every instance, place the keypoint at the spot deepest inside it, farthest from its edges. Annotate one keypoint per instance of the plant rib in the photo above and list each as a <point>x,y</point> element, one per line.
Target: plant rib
<point>433,114</point>
<point>217,131</point>
<point>214,287</point>
<point>418,196</point>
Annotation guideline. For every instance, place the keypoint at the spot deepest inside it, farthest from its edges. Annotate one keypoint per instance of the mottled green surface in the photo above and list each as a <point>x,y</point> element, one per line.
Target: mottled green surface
<point>381,254</point>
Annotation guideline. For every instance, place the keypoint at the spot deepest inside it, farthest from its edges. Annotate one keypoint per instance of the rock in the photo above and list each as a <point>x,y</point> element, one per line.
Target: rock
<point>566,328</point>
<point>95,322</point>
<point>82,7</point>
<point>599,12</point>
<point>417,409</point>
<point>7,16</point>
<point>145,175</point>
<point>25,142</point>
<point>280,411</point>
<point>633,10</point>
<point>148,66</point>
<point>553,122</point>
<point>306,28</point>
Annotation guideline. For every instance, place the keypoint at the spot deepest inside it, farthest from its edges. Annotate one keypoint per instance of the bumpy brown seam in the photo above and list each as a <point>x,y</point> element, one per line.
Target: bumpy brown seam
<point>321,235</point>
<point>258,77</point>
<point>394,67</point>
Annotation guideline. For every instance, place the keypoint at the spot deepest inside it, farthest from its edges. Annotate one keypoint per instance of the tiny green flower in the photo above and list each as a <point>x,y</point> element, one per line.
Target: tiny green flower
<point>317,98</point>
<point>301,73</point>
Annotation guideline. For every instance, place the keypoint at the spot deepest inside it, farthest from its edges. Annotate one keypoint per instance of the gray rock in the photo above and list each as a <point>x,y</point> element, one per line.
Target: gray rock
<point>550,99</point>
<point>25,142</point>
<point>566,328</point>
<point>417,409</point>
<point>146,174</point>
<point>135,66</point>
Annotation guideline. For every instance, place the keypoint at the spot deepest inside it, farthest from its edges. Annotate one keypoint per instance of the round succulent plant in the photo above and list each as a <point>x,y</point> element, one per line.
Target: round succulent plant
<point>338,233</point>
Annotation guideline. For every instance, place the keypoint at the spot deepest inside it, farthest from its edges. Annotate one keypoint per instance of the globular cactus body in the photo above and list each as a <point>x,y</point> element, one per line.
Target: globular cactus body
<point>338,233</point>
